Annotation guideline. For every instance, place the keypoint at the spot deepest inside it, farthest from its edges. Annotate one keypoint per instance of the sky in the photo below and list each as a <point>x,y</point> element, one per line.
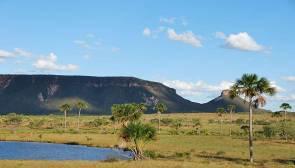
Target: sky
<point>197,47</point>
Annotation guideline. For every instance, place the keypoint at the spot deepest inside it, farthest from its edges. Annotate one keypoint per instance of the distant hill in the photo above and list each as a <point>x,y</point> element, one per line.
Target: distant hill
<point>224,99</point>
<point>43,94</point>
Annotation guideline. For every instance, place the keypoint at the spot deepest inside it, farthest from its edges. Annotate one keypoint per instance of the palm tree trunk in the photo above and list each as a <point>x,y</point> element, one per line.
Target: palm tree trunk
<point>231,123</point>
<point>285,125</point>
<point>79,119</point>
<point>65,119</point>
<point>251,132</point>
<point>159,121</point>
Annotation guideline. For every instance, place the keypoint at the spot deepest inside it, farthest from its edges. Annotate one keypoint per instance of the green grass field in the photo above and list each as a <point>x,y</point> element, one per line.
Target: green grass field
<point>186,145</point>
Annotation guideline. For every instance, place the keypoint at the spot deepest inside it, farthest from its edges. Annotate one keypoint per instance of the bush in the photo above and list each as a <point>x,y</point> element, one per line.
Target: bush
<point>13,119</point>
<point>166,121</point>
<point>36,123</point>
<point>240,121</point>
<point>97,122</point>
<point>268,131</point>
<point>261,122</point>
<point>150,154</point>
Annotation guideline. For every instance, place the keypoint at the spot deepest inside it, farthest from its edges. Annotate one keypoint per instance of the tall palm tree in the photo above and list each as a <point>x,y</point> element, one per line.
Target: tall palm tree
<point>285,107</point>
<point>231,108</point>
<point>80,105</point>
<point>65,108</point>
<point>160,108</point>
<point>220,111</point>
<point>253,89</point>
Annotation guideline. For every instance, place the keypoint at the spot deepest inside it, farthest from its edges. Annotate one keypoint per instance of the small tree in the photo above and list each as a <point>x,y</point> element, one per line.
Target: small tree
<point>160,108</point>
<point>220,111</point>
<point>80,105</point>
<point>65,108</point>
<point>138,134</point>
<point>125,113</point>
<point>231,109</point>
<point>285,107</point>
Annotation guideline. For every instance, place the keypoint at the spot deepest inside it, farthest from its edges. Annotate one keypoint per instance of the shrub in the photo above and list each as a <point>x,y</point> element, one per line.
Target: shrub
<point>166,121</point>
<point>261,122</point>
<point>268,131</point>
<point>97,122</point>
<point>36,123</point>
<point>150,154</point>
<point>240,121</point>
<point>13,119</point>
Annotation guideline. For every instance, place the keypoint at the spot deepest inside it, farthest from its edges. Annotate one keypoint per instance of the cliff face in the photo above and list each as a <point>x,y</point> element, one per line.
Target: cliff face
<point>43,94</point>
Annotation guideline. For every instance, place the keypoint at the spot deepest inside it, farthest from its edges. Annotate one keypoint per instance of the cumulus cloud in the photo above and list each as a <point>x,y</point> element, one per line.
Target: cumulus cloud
<point>15,52</point>
<point>147,32</point>
<point>22,52</point>
<point>187,37</point>
<point>241,41</point>
<point>5,54</point>
<point>169,20</point>
<point>195,88</point>
<point>49,63</point>
<point>289,78</point>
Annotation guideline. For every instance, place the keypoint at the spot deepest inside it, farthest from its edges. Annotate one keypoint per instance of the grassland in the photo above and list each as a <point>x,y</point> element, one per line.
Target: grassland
<point>186,145</point>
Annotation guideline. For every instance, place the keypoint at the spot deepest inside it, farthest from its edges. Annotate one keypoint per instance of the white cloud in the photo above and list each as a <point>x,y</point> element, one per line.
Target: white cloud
<point>49,63</point>
<point>187,37</point>
<point>82,44</point>
<point>283,98</point>
<point>289,78</point>
<point>5,54</point>
<point>220,35</point>
<point>279,88</point>
<point>170,20</point>
<point>196,88</point>
<point>241,41</point>
<point>22,52</point>
<point>147,32</point>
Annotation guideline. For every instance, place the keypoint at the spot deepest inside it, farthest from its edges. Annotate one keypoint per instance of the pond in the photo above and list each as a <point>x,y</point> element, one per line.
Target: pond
<point>10,150</point>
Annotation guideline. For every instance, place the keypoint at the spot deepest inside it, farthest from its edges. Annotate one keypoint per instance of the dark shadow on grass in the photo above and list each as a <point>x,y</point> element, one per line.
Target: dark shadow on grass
<point>285,161</point>
<point>231,159</point>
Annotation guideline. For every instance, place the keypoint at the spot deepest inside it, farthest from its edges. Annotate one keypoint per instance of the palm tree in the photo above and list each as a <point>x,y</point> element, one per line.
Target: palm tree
<point>80,105</point>
<point>285,107</point>
<point>231,108</point>
<point>220,112</point>
<point>253,89</point>
<point>160,108</point>
<point>138,134</point>
<point>65,108</point>
<point>125,113</point>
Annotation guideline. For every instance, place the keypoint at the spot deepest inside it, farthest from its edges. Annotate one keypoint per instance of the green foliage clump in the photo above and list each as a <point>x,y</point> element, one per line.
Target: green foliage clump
<point>36,123</point>
<point>97,122</point>
<point>138,134</point>
<point>124,113</point>
<point>269,131</point>
<point>13,119</point>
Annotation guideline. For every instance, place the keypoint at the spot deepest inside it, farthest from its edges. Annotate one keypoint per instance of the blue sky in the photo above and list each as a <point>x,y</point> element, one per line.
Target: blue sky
<point>197,47</point>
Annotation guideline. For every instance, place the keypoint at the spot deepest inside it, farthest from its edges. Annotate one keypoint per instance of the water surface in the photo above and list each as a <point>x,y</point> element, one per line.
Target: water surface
<point>10,150</point>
